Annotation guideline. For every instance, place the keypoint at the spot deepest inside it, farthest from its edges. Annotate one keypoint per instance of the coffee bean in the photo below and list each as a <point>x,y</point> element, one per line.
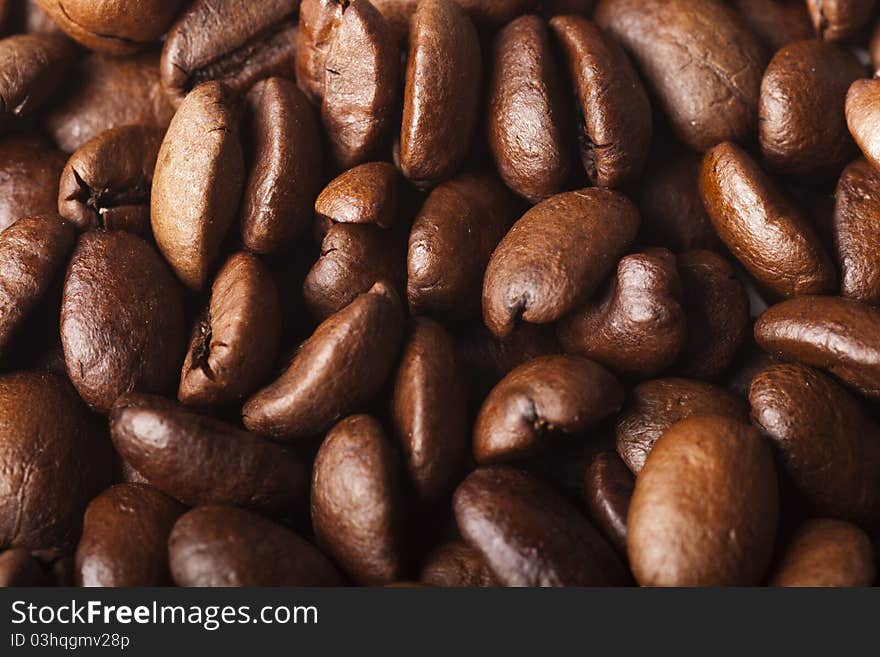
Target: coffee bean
<point>29,173</point>
<point>365,194</point>
<point>862,118</point>
<point>691,520</point>
<point>838,20</point>
<point>456,564</point>
<point>776,22</point>
<point>225,546</point>
<point>125,536</point>
<point>608,487</point>
<point>106,182</point>
<point>318,22</point>
<point>33,67</point>
<point>19,568</point>
<point>856,227</point>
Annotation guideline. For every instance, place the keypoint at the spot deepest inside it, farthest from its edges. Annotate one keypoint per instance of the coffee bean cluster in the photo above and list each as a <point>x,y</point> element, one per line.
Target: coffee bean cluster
<point>439,292</point>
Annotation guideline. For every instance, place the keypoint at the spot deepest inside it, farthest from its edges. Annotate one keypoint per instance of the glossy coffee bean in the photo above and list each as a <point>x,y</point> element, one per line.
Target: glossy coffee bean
<point>356,502</point>
<point>29,171</point>
<point>233,347</point>
<point>197,182</point>
<point>555,256</point>
<point>361,341</point>
<point>862,117</point>
<point>776,22</point>
<point>762,227</point>
<point>33,66</point>
<point>365,194</point>
<point>529,535</point>
<point>654,406</point>
<point>318,22</point>
<point>608,488</point>
<point>836,334</point>
<point>691,521</point>
<point>125,536</point>
<point>704,65</point>
<point>225,546</point>
<point>53,460</point>
<point>106,182</point>
<point>200,460</point>
<point>856,227</point>
<point>837,476</point>
<point>825,552</point>
<point>839,20</point>
<point>454,565</point>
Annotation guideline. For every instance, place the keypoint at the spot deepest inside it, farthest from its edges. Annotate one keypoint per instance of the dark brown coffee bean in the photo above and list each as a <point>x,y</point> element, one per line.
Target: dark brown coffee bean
<point>555,256</point>
<point>33,66</point>
<point>863,117</point>
<point>608,487</point>
<point>692,521</point>
<point>838,475</point>
<point>365,194</point>
<point>197,183</point>
<point>199,460</point>
<point>106,92</point>
<point>122,323</point>
<point>125,538</point>
<point>106,182</point>
<point>429,409</point>
<point>529,535</point>
<point>703,63</point>
<point>826,552</point>
<point>53,459</point>
<point>32,253</point>
<point>454,565</point>
<point>236,41</point>
<point>615,131</point>
<point>802,124</point>
<point>440,104</point>
<point>318,22</point>
<point>286,166</point>
<point>233,347</point>
<point>527,113</point>
<point>462,220</point>
<point>360,86</point>
<point>225,546</point>
<point>342,366</point>
<point>115,28</point>
<point>776,22</point>
<point>19,568</point>
<point>29,173</point>
<point>654,406</point>
<point>836,334</point>
<point>717,308</point>
<point>857,232</point>
<point>356,502</point>
<point>762,227</point>
<point>838,20</point>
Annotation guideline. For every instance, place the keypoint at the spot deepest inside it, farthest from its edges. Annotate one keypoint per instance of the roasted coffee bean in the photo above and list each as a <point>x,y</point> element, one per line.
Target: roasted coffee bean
<point>608,488</point>
<point>837,476</point>
<point>200,460</point>
<point>717,307</point>
<point>318,22</point>
<point>33,68</point>
<point>462,219</point>
<point>704,65</point>
<point>527,113</point>
<point>825,552</point>
<point>106,182</point>
<point>529,535</point>
<point>838,20</point>
<point>429,409</point>
<point>776,22</point>
<point>116,28</point>
<point>456,564</point>
<point>225,546</point>
<point>19,568</point>
<point>236,41</point>
<point>863,117</point>
<point>692,521</point>
<point>341,366</point>
<point>836,334</point>
<point>802,124</point>
<point>32,253</point>
<point>198,181</point>
<point>762,227</point>
<point>857,232</point>
<point>125,538</point>
<point>365,194</point>
<point>541,402</point>
<point>286,165</point>
<point>638,328</point>
<point>233,347</point>
<point>360,85</point>
<point>53,459</point>
<point>440,103</point>
<point>555,256</point>
<point>122,323</point>
<point>356,502</point>
<point>106,92</point>
<point>615,133</point>
<point>29,173</point>
<point>654,406</point>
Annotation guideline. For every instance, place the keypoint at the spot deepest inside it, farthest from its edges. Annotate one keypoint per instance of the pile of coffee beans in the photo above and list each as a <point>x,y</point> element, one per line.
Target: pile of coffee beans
<point>439,292</point>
